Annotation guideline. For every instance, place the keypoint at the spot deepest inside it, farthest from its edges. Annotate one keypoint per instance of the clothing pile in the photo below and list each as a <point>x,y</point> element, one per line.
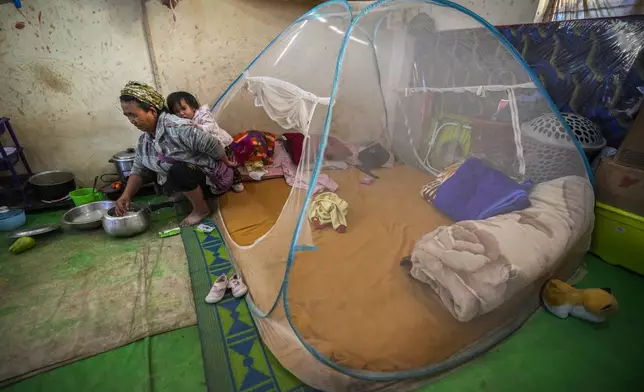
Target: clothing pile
<point>254,150</point>
<point>282,165</point>
<point>300,178</point>
<point>327,209</point>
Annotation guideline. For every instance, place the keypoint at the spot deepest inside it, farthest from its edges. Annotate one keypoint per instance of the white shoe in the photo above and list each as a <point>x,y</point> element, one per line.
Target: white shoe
<point>218,290</point>
<point>238,188</point>
<point>237,286</point>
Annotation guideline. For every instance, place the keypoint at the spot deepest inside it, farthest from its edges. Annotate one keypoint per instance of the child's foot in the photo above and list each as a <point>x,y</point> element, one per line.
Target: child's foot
<point>238,188</point>
<point>194,218</point>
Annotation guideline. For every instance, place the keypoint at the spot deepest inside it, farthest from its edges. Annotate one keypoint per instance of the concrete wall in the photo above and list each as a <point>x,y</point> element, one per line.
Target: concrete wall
<point>497,12</point>
<point>62,72</point>
<point>503,12</point>
<point>211,42</point>
<point>61,75</point>
<point>67,64</point>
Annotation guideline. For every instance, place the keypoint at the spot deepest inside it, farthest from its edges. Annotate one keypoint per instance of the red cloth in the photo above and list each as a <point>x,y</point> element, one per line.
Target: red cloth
<point>293,143</point>
<point>335,149</point>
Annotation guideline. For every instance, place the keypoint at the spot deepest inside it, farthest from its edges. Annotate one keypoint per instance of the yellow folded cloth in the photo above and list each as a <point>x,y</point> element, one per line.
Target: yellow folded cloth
<point>254,165</point>
<point>328,208</point>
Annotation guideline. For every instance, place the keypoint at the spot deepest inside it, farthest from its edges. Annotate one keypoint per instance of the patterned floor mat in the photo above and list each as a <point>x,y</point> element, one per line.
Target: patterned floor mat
<point>235,358</point>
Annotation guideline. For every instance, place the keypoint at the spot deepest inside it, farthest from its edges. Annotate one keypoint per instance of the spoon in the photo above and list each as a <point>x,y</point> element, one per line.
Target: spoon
<point>94,186</point>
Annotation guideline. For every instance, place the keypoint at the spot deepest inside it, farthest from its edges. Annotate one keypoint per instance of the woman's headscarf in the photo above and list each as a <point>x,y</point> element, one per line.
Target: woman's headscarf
<point>144,93</point>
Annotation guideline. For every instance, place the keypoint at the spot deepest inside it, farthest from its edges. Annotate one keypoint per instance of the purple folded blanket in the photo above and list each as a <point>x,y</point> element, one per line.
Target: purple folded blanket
<point>476,191</point>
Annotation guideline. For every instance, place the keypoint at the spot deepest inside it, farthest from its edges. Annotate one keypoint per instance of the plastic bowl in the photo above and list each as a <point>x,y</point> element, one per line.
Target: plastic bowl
<point>11,219</point>
<point>85,195</point>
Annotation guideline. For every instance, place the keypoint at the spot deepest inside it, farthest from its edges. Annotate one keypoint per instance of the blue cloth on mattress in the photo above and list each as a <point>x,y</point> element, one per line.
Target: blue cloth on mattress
<point>477,191</point>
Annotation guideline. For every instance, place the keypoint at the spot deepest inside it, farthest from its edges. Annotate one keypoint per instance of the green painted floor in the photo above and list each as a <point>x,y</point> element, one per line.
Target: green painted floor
<point>548,354</point>
<point>162,363</point>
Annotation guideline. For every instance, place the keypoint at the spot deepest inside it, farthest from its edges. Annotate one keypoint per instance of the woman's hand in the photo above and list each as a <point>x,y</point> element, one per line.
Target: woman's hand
<point>227,161</point>
<point>122,205</point>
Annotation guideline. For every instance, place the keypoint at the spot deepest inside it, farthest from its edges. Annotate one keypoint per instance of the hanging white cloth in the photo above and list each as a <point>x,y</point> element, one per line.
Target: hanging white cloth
<point>285,103</point>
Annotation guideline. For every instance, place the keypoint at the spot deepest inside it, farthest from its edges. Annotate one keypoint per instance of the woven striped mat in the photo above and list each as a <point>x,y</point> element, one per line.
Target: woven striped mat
<point>234,356</point>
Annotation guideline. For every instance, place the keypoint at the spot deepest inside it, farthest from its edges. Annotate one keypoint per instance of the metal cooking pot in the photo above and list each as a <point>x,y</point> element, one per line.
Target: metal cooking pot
<point>123,161</point>
<point>53,185</point>
<point>135,221</point>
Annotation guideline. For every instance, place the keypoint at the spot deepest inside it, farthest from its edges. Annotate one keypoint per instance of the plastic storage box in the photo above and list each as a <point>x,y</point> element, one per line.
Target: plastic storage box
<point>618,237</point>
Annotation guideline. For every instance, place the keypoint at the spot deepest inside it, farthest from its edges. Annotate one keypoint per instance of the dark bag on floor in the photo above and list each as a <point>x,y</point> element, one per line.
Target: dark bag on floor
<point>373,157</point>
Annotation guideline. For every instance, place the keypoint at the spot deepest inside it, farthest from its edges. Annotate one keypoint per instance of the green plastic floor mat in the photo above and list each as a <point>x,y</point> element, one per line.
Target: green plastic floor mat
<point>235,358</point>
<point>551,354</point>
<point>163,363</point>
<point>223,353</point>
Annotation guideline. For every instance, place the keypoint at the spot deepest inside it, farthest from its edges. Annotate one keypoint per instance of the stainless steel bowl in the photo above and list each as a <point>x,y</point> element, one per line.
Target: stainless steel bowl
<point>135,221</point>
<point>88,216</point>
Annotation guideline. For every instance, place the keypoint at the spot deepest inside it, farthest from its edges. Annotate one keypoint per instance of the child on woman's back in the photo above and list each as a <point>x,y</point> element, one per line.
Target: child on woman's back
<point>185,105</point>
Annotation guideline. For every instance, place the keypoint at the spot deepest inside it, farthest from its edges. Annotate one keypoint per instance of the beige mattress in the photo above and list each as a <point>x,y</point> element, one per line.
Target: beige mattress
<point>252,213</point>
<point>350,299</point>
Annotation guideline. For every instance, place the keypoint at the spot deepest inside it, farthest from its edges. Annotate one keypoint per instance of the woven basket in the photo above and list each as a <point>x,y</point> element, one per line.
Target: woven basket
<point>550,152</point>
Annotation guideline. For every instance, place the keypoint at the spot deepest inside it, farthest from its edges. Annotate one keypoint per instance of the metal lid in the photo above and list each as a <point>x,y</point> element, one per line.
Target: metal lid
<point>126,155</point>
<point>52,177</point>
<point>6,213</point>
<point>33,231</point>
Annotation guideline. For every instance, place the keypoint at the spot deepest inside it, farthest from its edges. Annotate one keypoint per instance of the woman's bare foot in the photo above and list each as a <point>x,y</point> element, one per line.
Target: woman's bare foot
<point>200,207</point>
<point>194,218</point>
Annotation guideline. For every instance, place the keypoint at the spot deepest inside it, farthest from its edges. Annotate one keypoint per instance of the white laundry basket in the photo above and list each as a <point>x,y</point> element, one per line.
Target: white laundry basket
<point>548,149</point>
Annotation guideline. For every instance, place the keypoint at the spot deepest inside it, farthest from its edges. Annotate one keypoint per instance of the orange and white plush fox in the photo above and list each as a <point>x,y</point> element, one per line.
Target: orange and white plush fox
<point>562,300</point>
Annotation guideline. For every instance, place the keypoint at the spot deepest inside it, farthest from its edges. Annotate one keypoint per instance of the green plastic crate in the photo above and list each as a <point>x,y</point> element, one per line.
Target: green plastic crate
<point>618,237</point>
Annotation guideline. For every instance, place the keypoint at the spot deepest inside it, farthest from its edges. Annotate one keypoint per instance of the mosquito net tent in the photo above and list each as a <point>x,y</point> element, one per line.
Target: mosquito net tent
<point>366,241</point>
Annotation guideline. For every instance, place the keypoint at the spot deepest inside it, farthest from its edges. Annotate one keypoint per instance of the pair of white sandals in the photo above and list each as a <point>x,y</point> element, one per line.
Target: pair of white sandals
<point>218,290</point>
